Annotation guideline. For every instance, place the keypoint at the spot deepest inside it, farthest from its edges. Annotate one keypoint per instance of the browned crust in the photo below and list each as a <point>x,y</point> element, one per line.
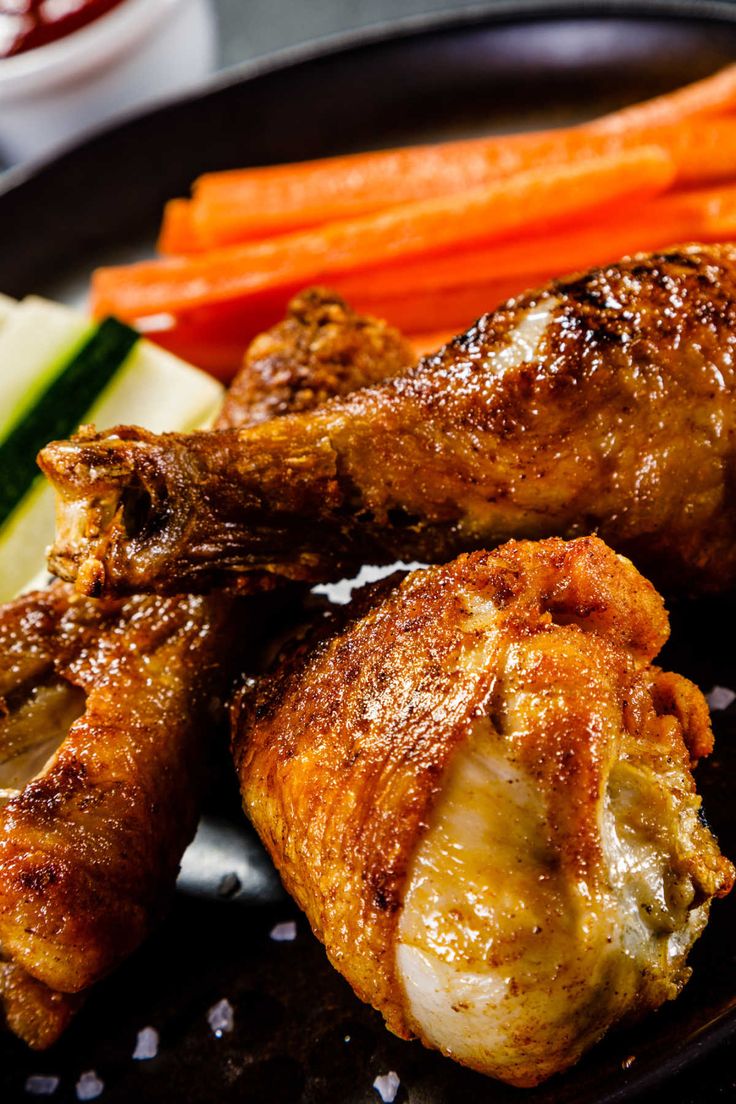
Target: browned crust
<point>36,1014</point>
<point>90,849</point>
<point>623,423</point>
<point>89,852</point>
<point>322,349</point>
<point>342,754</point>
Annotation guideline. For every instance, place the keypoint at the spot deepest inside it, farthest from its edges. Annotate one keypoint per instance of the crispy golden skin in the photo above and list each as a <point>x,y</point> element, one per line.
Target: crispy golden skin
<point>31,1010</point>
<point>604,402</point>
<point>480,794</point>
<point>322,349</point>
<point>89,851</point>
<point>90,846</point>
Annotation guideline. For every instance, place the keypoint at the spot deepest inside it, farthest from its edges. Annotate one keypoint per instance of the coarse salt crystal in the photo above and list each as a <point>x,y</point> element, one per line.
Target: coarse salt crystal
<point>387,1086</point>
<point>146,1045</point>
<point>284,932</point>
<point>720,697</point>
<point>229,885</point>
<point>221,1017</point>
<point>89,1086</point>
<point>39,1084</point>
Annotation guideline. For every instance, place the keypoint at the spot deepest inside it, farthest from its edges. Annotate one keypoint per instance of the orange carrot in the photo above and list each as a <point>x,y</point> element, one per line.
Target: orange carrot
<point>178,234</point>
<point>259,202</point>
<point>713,95</point>
<point>427,343</point>
<point>213,353</point>
<point>215,338</point>
<point>705,214</point>
<point>530,200</point>
<point>450,289</point>
<point>249,203</point>
<point>468,289</point>
<point>450,309</point>
<point>704,151</point>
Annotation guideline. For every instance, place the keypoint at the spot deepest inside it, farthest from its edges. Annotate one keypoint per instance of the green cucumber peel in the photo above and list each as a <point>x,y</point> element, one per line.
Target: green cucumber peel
<point>60,408</point>
<point>16,414</point>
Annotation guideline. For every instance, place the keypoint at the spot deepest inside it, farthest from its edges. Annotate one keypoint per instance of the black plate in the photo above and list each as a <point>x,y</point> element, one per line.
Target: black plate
<point>300,1035</point>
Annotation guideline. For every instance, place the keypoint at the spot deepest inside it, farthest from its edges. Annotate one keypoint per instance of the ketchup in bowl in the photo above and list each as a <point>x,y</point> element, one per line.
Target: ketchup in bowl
<point>26,24</point>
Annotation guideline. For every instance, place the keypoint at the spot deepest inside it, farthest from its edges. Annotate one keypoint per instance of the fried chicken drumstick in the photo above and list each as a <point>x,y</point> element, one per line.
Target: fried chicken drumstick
<point>106,712</point>
<point>480,793</point>
<point>105,717</point>
<point>604,402</point>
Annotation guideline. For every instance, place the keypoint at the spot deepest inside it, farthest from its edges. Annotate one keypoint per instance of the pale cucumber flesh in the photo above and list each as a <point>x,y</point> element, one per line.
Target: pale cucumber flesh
<point>60,407</point>
<point>37,340</point>
<point>151,388</point>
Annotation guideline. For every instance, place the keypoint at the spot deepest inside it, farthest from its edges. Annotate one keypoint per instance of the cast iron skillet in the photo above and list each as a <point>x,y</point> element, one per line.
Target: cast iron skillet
<point>299,1033</point>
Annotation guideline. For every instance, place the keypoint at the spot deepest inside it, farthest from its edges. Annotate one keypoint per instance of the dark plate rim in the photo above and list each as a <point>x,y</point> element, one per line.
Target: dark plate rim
<point>373,35</point>
<point>704,1040</point>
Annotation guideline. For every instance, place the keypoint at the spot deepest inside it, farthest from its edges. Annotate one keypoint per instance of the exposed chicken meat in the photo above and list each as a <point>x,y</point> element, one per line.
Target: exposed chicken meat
<point>107,710</point>
<point>105,718</point>
<point>480,793</point>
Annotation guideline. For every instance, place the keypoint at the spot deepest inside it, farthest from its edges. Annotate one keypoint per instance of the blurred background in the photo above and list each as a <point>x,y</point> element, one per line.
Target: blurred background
<point>56,85</point>
<point>134,52</point>
<point>250,28</point>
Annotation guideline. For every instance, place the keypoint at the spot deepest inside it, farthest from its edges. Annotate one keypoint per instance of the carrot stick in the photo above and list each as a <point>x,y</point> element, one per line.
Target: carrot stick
<point>427,343</point>
<point>706,214</point>
<point>214,337</point>
<point>450,309</point>
<point>259,202</point>
<point>714,95</point>
<point>242,204</point>
<point>217,355</point>
<point>216,342</point>
<point>704,151</point>
<point>472,289</point>
<point>178,234</point>
<point>450,289</point>
<point>529,200</point>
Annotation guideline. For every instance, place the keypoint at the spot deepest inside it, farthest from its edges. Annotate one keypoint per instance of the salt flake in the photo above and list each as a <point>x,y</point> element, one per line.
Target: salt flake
<point>284,932</point>
<point>721,697</point>
<point>229,885</point>
<point>89,1086</point>
<point>39,1084</point>
<point>387,1086</point>
<point>221,1017</point>
<point>146,1045</point>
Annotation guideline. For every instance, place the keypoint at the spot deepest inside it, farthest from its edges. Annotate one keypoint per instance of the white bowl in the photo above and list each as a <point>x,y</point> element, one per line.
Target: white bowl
<point>139,51</point>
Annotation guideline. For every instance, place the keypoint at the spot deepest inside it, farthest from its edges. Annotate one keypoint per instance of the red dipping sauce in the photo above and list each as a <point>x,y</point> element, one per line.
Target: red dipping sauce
<point>26,24</point>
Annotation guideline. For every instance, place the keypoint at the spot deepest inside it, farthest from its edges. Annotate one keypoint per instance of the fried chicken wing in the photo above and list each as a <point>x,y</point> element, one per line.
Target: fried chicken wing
<point>480,793</point>
<point>106,712</point>
<point>604,402</point>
